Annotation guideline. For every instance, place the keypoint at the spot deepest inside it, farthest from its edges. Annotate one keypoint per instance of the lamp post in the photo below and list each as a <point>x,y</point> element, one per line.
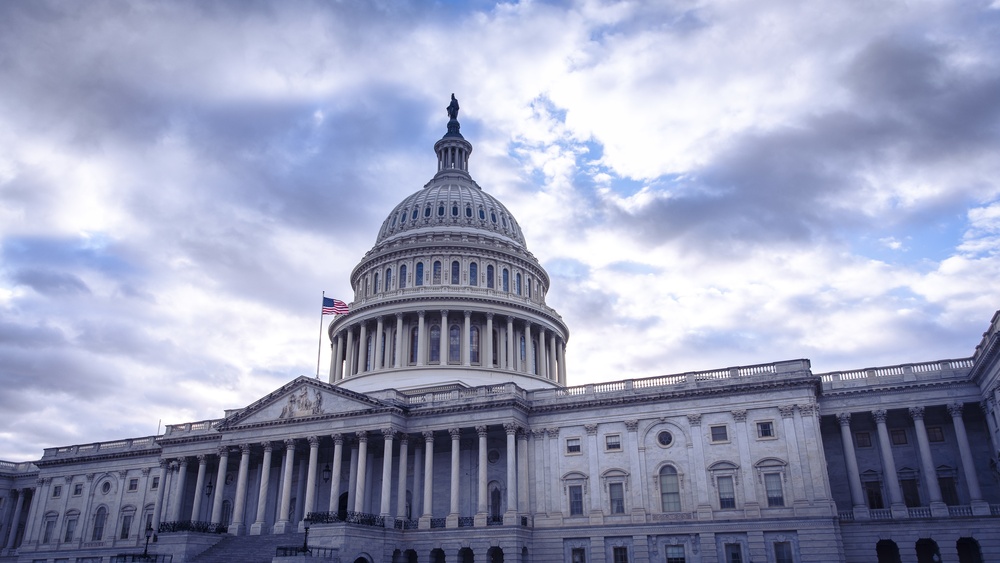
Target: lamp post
<point>305,540</point>
<point>149,534</point>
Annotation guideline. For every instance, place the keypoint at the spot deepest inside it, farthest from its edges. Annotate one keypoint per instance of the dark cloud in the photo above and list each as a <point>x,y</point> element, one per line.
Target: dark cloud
<point>49,282</point>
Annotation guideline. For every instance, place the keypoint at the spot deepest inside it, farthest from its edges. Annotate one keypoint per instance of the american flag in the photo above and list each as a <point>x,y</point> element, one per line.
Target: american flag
<point>334,307</point>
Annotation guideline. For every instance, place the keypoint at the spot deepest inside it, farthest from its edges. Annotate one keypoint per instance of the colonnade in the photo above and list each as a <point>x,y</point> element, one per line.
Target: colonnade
<point>898,507</point>
<point>455,338</point>
<point>9,540</point>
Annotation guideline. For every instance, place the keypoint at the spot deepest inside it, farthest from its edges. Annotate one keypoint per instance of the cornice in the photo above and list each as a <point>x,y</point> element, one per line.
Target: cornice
<point>70,460</point>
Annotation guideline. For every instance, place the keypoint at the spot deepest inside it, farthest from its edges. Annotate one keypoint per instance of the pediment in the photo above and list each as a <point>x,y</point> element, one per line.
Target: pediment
<point>301,399</point>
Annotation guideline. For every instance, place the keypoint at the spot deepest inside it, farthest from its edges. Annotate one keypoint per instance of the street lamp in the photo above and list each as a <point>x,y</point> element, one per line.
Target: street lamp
<point>305,540</point>
<point>327,473</point>
<point>149,534</point>
<point>208,489</point>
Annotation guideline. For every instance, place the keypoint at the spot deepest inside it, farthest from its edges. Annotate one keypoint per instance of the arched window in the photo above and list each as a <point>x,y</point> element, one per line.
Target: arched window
<point>414,216</point>
<point>517,283</point>
<point>529,286</point>
<point>927,551</point>
<point>969,551</point>
<point>455,272</point>
<point>441,210</point>
<point>473,274</point>
<point>474,345</point>
<point>670,490</point>
<point>435,343</point>
<point>490,284</point>
<point>418,278</point>
<point>100,519</point>
<point>375,285</point>
<point>414,335</point>
<point>427,211</point>
<point>506,280</point>
<point>436,274</point>
<point>496,503</point>
<point>388,279</point>
<point>402,277</point>
<point>454,344</point>
<point>402,218</point>
<point>887,551</point>
<point>496,347</point>
<point>227,512</point>
<point>468,211</point>
<point>522,350</point>
<point>454,211</point>
<point>482,214</point>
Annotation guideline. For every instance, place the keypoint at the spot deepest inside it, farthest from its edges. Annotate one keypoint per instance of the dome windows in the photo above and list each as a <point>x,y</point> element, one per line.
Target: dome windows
<point>473,274</point>
<point>454,210</point>
<point>402,218</point>
<point>455,273</point>
<point>402,276</point>
<point>414,216</point>
<point>441,210</point>
<point>482,214</point>
<point>468,211</point>
<point>388,279</point>
<point>517,283</point>
<point>436,274</point>
<point>427,211</point>
<point>493,216</point>
<point>506,280</point>
<point>489,277</point>
<point>418,278</point>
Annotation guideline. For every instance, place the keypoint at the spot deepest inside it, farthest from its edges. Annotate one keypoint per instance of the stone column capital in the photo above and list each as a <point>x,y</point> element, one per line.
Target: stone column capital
<point>510,428</point>
<point>739,415</point>
<point>489,315</point>
<point>421,313</point>
<point>955,410</point>
<point>455,433</point>
<point>591,429</point>
<point>917,413</point>
<point>362,436</point>
<point>694,419</point>
<point>290,444</point>
<point>844,418</point>
<point>552,432</point>
<point>245,449</point>
<point>631,425</point>
<point>202,459</point>
<point>428,436</point>
<point>879,416</point>
<point>404,439</point>
<point>145,471</point>
<point>388,433</point>
<point>481,431</point>
<point>313,441</point>
<point>787,411</point>
<point>399,316</point>
<point>268,447</point>
<point>338,438</point>
<point>183,461</point>
<point>467,314</point>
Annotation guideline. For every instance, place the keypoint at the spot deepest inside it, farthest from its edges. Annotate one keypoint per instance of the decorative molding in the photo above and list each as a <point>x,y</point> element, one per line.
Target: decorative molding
<point>787,411</point>
<point>631,425</point>
<point>694,419</point>
<point>844,418</point>
<point>879,416</point>
<point>739,415</point>
<point>917,413</point>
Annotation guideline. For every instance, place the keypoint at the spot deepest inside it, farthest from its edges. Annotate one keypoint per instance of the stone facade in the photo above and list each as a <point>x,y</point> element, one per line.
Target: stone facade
<point>447,432</point>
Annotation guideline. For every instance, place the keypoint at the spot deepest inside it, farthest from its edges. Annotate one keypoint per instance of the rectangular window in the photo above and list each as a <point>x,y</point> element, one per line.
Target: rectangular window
<point>133,485</point>
<point>863,439</point>
<point>57,491</point>
<point>613,442</point>
<point>935,434</point>
<point>719,433</point>
<point>734,554</point>
<point>873,490</point>
<point>576,500</point>
<point>775,495</point>
<point>70,530</point>
<point>78,489</point>
<point>765,429</point>
<point>619,554</point>
<point>578,555</point>
<point>727,494</point>
<point>949,492</point>
<point>126,526</point>
<point>675,554</point>
<point>783,552</point>
<point>616,492</point>
<point>47,532</point>
<point>911,495</point>
<point>572,445</point>
<point>155,483</point>
<point>898,436</point>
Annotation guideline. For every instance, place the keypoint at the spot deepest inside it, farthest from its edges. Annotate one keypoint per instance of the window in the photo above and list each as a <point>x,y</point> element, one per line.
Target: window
<point>898,436</point>
<point>765,429</point>
<point>863,439</point>
<point>427,211</point>
<point>441,210</point>
<point>576,500</point>
<point>126,526</point>
<point>613,442</point>
<point>783,552</point>
<point>99,519</point>
<point>577,555</point>
<point>517,283</point>
<point>402,277</point>
<point>619,554</point>
<point>664,438</point>
<point>727,493</point>
<point>489,277</point>
<point>719,433</point>
<point>454,211</point>
<point>435,343</point>
<point>474,344</point>
<point>935,434</point>
<point>388,279</point>
<point>436,273</point>
<point>506,280</point>
<point>70,529</point>
<point>473,274</point>
<point>873,491</point>
<point>414,344</point>
<point>775,495</point>
<point>155,484</point>
<point>734,553</point>
<point>572,445</point>
<point>482,214</point>
<point>455,275</point>
<point>418,279</point>
<point>911,495</point>
<point>616,493</point>
<point>468,211</point>
<point>56,491</point>
<point>78,489</point>
<point>133,485</point>
<point>375,287</point>
<point>670,490</point>
<point>50,525</point>
<point>675,554</point>
<point>106,487</point>
<point>454,344</point>
<point>949,492</point>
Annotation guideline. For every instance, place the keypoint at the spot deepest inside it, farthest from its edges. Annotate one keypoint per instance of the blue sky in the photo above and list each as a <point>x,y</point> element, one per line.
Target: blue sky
<point>708,183</point>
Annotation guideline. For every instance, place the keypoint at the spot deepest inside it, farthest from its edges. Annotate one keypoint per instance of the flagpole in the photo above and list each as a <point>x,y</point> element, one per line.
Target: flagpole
<point>319,344</point>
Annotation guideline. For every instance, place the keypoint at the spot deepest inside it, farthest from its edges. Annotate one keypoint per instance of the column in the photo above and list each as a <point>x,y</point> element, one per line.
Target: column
<point>542,363</point>
<point>425,518</point>
<point>404,445</point>
<point>553,360</point>
<point>265,476</point>
<point>239,507</point>
<point>896,504</point>
<point>853,474</point>
<point>594,472</point>
<point>809,418</point>
<point>338,455</point>
<point>220,485</point>
<point>443,343</point>
<point>158,509</point>
<point>511,354</point>
<point>285,502</point>
<point>456,435</point>
<point>482,504</point>
<point>352,478</point>
<point>554,482</point>
<point>979,507</point>
<point>467,340</point>
<point>421,343</point>
<point>338,361</point>
<point>938,507</point>
<point>15,519</point>
<point>562,363</point>
<point>349,361</point>
<point>359,493</point>
<point>796,478</point>
<point>510,516</point>
<point>388,434</point>
<point>634,450</point>
<point>487,342</point>
<point>398,361</point>
<point>541,465</point>
<point>199,486</point>
<point>175,512</point>
<point>363,356</point>
<point>522,470</point>
<point>379,361</point>
<point>697,459</point>
<point>310,501</point>
<point>529,349</point>
<point>416,509</point>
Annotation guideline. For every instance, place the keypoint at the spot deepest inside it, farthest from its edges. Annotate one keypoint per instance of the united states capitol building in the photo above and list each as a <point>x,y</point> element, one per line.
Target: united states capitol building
<point>447,430</point>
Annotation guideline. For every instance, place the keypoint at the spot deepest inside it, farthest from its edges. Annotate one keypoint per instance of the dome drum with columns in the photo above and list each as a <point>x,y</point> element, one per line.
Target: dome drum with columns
<point>449,296</point>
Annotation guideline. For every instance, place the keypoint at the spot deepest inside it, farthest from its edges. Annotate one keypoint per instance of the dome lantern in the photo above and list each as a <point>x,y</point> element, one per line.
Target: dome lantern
<point>453,150</point>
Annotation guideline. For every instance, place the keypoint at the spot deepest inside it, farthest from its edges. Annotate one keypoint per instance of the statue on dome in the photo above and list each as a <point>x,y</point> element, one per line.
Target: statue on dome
<point>453,108</point>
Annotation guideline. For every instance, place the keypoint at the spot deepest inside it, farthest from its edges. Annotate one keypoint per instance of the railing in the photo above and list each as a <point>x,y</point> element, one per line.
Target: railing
<point>192,526</point>
<point>494,521</point>
<point>97,447</point>
<point>365,519</point>
<point>19,467</point>
<point>897,371</point>
<point>959,511</point>
<point>466,521</point>
<point>143,557</point>
<point>438,522</point>
<point>296,551</point>
<point>881,514</point>
<point>919,512</point>
<point>325,517</point>
<point>846,515</point>
<point>411,524</point>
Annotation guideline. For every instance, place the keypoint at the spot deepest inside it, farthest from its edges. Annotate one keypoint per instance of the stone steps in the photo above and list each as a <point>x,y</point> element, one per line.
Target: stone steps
<point>248,549</point>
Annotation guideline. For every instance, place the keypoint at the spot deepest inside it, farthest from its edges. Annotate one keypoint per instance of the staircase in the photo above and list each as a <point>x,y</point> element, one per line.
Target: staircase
<point>248,549</point>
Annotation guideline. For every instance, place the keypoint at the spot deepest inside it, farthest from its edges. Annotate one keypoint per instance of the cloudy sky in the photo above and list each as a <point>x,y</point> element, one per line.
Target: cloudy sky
<point>709,184</point>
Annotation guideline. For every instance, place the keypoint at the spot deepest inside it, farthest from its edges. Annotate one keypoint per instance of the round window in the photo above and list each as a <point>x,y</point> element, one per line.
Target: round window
<point>665,438</point>
<point>106,487</point>
<point>493,456</point>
